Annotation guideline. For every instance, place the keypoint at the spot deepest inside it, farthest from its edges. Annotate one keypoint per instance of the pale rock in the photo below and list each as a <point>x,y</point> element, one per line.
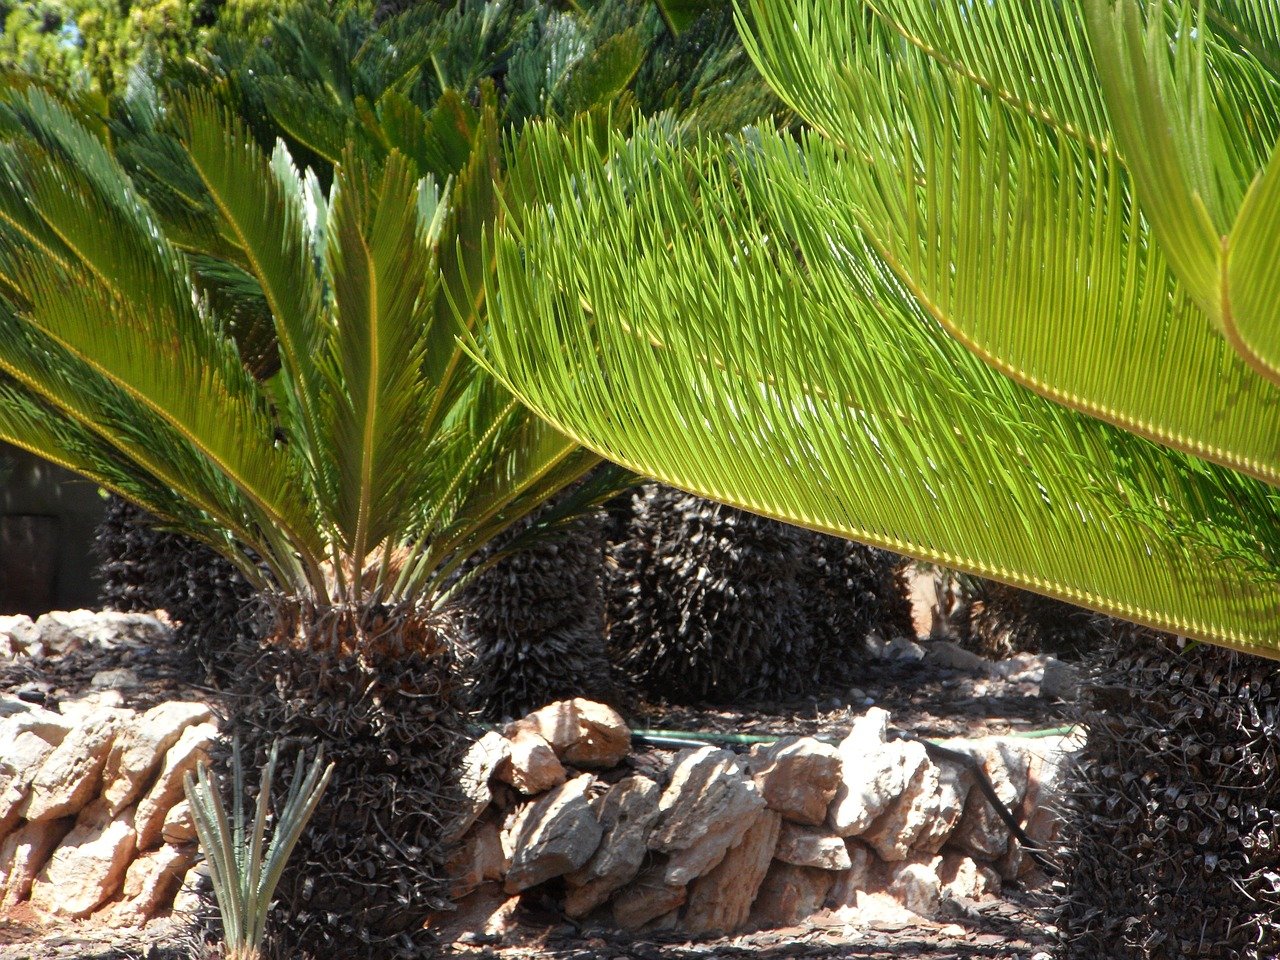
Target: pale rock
<point>944,807</point>
<point>478,859</point>
<point>721,899</point>
<point>532,766</point>
<point>139,748</point>
<point>478,765</point>
<point>188,902</point>
<point>873,774</point>
<point>798,777</point>
<point>29,737</point>
<point>1006,760</point>
<point>23,855</point>
<point>66,630</point>
<point>120,678</point>
<point>915,885</point>
<point>583,733</point>
<point>706,808</point>
<point>626,814</point>
<point>789,894</point>
<point>179,827</point>
<point>647,899</point>
<point>963,878</point>
<point>945,653</point>
<point>71,774</point>
<point>151,883</point>
<point>899,827</point>
<point>552,836</point>
<point>88,866</point>
<point>1026,667</point>
<point>880,911</point>
<point>168,791</point>
<point>1048,763</point>
<point>804,846</point>
<point>82,706</point>
<point>1060,681</point>
<point>865,874</point>
<point>19,632</point>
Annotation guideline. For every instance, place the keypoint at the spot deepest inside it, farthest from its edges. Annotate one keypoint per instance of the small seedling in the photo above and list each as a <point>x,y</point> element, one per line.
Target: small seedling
<point>244,880</point>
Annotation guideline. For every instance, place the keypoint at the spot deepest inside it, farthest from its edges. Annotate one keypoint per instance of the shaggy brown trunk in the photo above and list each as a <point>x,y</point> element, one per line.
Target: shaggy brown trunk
<point>376,687</point>
<point>1172,835</point>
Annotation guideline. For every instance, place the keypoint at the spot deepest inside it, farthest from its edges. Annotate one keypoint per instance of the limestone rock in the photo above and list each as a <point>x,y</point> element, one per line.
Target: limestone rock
<point>721,899</point>
<point>140,746</point>
<point>29,736</point>
<point>1060,681</point>
<point>151,883</point>
<point>553,836</point>
<point>898,828</point>
<point>789,894</point>
<point>1006,761</point>
<point>865,875</point>
<point>873,774</point>
<point>944,807</point>
<point>167,790</point>
<point>188,902</point>
<point>1047,763</point>
<point>71,774</point>
<point>647,899</point>
<point>945,653</point>
<point>478,765</point>
<point>963,878</point>
<point>532,766</point>
<point>583,733</point>
<point>88,866</point>
<point>478,859</point>
<point>24,853</point>
<point>915,884</point>
<point>179,827</point>
<point>18,634</point>
<point>626,815</point>
<point>811,847</point>
<point>797,776</point>
<point>706,808</point>
<point>66,630</point>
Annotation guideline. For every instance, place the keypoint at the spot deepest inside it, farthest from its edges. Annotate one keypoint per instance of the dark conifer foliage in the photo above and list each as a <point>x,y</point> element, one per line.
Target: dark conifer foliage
<point>712,603</point>
<point>1172,840</point>
<point>142,568</point>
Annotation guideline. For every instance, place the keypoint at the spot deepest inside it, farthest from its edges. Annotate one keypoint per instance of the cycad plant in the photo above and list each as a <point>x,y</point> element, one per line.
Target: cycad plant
<point>1009,305</point>
<point>349,485</point>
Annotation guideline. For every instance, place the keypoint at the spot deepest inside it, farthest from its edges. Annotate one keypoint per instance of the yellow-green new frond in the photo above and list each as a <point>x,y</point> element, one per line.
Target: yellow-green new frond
<point>705,319</point>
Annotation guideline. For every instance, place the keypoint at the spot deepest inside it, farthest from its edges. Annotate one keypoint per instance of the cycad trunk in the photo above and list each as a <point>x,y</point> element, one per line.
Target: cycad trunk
<point>712,603</point>
<point>997,620</point>
<point>142,568</point>
<point>1172,839</point>
<point>533,624</point>
<point>377,688</point>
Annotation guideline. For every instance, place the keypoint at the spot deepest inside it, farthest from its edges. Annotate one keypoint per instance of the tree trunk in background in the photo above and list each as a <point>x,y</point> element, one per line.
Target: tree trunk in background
<point>712,603</point>
<point>533,627</point>
<point>142,569</point>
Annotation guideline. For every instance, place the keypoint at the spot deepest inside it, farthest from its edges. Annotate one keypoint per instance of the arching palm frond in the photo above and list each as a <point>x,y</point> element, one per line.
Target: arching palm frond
<point>994,185</point>
<point>723,320</point>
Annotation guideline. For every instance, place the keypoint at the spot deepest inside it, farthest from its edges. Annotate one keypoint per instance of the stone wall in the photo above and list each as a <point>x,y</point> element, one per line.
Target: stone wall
<point>717,841</point>
<point>92,816</point>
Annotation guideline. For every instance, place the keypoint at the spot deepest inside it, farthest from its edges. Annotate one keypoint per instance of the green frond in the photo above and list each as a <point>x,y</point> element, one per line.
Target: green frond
<point>1022,242</point>
<point>704,318</point>
<point>380,267</point>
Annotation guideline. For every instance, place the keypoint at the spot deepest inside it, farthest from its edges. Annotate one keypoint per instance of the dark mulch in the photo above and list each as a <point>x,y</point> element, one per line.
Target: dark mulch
<point>1015,928</point>
<point>922,698</point>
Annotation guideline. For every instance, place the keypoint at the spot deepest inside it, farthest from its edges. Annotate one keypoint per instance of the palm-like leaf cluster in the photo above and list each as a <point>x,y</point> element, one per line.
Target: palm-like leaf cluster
<point>781,323</point>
